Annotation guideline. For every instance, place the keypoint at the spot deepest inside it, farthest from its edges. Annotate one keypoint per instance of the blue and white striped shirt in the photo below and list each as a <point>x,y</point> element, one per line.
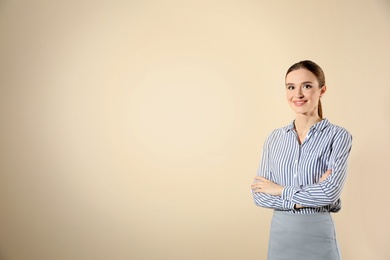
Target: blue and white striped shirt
<point>299,167</point>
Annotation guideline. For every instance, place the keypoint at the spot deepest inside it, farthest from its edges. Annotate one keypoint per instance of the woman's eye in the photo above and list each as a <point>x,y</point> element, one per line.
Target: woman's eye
<point>290,87</point>
<point>307,86</point>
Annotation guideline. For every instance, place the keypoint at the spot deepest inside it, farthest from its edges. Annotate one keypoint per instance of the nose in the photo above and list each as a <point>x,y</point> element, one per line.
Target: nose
<point>298,93</point>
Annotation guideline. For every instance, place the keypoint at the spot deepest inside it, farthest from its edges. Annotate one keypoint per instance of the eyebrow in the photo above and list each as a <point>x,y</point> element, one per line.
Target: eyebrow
<point>305,82</point>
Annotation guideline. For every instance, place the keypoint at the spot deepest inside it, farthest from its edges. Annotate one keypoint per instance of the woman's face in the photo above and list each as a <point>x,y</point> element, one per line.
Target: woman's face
<point>303,92</point>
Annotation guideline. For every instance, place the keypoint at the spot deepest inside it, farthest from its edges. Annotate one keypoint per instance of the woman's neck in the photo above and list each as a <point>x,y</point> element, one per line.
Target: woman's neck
<point>303,123</point>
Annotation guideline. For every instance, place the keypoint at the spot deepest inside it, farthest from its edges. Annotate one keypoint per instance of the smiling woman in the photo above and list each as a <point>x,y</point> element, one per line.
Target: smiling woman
<point>302,172</point>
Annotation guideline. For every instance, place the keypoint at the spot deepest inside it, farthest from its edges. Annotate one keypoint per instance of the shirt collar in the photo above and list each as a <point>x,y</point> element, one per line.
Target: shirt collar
<point>316,127</point>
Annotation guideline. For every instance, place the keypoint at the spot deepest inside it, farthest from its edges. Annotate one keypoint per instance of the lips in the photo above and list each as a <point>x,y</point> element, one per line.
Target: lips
<point>299,103</point>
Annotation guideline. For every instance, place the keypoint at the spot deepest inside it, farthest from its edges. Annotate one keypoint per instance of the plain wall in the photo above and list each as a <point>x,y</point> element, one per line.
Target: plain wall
<point>133,129</point>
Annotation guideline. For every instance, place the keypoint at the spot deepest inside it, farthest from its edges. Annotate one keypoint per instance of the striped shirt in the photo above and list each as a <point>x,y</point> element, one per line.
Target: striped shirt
<point>298,167</point>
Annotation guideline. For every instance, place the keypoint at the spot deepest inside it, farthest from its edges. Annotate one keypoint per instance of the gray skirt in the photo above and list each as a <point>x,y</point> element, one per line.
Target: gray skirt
<point>302,237</point>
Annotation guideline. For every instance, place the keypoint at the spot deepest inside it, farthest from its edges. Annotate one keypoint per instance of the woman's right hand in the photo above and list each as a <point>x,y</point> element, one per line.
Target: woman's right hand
<point>325,175</point>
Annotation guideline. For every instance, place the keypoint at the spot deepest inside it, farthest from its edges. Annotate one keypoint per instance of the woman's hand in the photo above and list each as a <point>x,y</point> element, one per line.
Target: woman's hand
<point>325,176</point>
<point>264,185</point>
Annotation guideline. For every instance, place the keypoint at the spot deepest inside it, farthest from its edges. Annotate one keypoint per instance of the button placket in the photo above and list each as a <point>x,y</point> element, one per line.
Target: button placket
<point>296,166</point>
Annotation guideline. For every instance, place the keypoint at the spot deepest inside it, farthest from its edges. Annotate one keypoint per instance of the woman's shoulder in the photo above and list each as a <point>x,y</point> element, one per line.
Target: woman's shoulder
<point>279,132</point>
<point>283,129</point>
<point>338,131</point>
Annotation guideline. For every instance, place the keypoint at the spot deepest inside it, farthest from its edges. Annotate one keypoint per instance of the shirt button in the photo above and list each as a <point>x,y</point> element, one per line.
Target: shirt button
<point>295,175</point>
<point>296,161</point>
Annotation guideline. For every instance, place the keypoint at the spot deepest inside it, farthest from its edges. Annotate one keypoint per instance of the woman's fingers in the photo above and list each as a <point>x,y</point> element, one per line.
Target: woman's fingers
<point>325,175</point>
<point>258,183</point>
<point>264,185</point>
<point>259,178</point>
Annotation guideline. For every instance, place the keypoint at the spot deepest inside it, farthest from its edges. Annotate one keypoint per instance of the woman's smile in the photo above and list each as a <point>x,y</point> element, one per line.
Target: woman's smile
<point>299,103</point>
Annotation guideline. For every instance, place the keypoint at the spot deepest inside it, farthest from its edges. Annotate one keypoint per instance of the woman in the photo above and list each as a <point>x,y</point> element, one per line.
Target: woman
<point>302,172</point>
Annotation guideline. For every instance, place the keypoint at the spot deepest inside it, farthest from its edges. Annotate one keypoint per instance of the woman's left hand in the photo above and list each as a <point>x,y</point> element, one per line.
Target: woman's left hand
<point>264,185</point>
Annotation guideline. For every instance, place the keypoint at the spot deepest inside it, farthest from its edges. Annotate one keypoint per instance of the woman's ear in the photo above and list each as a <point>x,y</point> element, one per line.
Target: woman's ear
<point>322,90</point>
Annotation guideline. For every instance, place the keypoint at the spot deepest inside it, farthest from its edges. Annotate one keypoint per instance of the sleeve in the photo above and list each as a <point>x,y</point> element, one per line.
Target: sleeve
<point>328,191</point>
<point>266,200</point>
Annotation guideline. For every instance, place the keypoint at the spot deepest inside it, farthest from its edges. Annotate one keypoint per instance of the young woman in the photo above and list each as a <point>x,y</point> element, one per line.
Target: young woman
<point>302,172</point>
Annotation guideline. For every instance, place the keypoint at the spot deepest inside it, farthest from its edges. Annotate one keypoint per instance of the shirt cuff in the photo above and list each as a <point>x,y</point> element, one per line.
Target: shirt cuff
<point>287,196</point>
<point>287,205</point>
<point>287,193</point>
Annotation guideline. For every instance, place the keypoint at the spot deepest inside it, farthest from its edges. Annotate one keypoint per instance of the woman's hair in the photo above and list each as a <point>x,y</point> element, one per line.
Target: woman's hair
<point>316,70</point>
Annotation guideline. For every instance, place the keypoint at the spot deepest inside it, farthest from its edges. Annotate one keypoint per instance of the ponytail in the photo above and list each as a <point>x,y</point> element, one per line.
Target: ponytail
<point>319,108</point>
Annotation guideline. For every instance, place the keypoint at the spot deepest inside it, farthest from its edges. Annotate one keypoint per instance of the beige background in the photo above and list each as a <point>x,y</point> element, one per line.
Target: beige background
<point>132,129</point>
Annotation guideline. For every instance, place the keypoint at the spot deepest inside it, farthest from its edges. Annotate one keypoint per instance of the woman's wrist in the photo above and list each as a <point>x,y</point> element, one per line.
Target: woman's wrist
<point>297,206</point>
